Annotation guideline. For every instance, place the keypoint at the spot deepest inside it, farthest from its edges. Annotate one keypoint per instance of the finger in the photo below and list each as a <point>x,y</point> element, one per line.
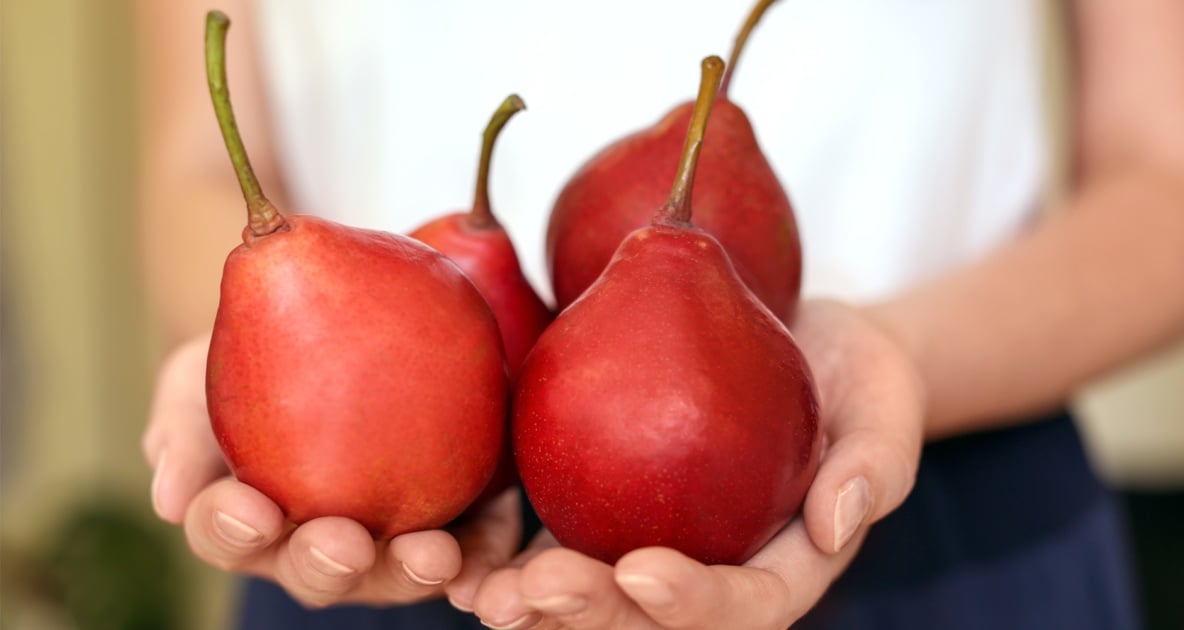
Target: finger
<point>179,443</point>
<point>807,571</point>
<point>324,560</point>
<point>870,464</point>
<point>501,594</point>
<point>861,479</point>
<point>578,591</point>
<point>678,592</point>
<point>333,560</point>
<point>425,559</point>
<point>230,525</point>
<point>499,605</point>
<point>541,542</point>
<point>411,567</point>
<point>873,401</point>
<point>180,384</point>
<point>184,468</point>
<point>171,386</point>
<point>487,542</point>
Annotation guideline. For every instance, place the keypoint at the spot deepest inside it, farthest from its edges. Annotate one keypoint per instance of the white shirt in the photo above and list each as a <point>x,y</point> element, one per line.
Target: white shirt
<point>909,134</point>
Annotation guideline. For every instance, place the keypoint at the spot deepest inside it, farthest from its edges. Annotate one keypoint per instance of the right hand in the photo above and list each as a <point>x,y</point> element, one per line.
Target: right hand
<point>872,403</point>
<point>325,561</point>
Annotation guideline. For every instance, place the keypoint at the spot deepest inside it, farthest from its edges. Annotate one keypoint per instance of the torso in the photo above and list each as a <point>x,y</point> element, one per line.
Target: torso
<point>910,135</point>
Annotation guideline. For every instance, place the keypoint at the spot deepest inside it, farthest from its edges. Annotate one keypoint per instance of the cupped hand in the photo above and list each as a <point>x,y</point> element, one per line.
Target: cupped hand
<point>872,409</point>
<point>322,562</point>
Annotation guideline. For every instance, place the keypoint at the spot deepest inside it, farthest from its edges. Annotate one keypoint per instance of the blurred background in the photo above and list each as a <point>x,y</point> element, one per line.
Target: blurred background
<point>79,546</point>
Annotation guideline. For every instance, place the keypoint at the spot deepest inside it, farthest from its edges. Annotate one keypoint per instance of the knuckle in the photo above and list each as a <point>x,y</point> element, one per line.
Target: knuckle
<point>550,562</point>
<point>214,554</point>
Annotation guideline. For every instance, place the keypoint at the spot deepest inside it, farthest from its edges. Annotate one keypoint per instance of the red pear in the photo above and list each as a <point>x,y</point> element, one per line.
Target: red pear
<point>667,405</point>
<point>351,372</point>
<point>738,199</point>
<point>480,246</point>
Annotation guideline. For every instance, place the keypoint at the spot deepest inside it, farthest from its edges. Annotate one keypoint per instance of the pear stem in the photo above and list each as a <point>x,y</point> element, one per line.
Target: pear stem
<point>677,210</point>
<point>262,216</point>
<point>754,16</point>
<point>481,215</point>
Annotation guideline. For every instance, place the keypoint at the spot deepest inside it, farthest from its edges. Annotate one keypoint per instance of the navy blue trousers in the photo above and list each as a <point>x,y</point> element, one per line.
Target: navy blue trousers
<point>1006,529</point>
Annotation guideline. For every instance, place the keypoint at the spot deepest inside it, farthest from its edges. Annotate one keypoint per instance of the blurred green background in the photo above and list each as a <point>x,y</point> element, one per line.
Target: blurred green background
<point>79,546</point>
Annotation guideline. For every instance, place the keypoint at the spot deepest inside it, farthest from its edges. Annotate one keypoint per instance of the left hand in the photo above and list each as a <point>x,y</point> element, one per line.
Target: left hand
<point>872,404</point>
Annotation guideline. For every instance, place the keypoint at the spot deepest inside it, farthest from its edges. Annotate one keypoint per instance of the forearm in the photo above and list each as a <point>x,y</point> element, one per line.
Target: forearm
<point>1098,283</point>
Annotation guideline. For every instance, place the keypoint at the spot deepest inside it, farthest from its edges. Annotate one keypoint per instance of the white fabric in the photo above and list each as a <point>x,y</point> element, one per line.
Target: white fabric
<point>909,133</point>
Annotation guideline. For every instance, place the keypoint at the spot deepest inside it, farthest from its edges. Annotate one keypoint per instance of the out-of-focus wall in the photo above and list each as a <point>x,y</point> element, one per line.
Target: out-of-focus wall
<point>1134,423</point>
<point>76,338</point>
<point>77,347</point>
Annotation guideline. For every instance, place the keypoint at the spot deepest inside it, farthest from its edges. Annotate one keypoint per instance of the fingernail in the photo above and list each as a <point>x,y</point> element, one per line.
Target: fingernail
<point>235,530</point>
<point>521,623</point>
<point>156,476</point>
<point>646,590</point>
<point>411,575</point>
<point>457,605</point>
<point>558,604</point>
<point>330,567</point>
<point>855,499</point>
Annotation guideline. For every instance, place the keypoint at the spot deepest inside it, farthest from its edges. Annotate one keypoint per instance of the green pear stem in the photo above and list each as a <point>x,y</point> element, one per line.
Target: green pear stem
<point>677,210</point>
<point>481,216</point>
<point>262,216</point>
<point>754,16</point>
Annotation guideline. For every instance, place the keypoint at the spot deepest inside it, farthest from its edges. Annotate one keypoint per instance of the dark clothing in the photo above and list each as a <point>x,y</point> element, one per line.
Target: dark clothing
<point>1007,529</point>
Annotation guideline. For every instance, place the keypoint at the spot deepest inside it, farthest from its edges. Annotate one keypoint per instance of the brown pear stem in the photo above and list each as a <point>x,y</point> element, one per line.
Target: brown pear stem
<point>678,208</point>
<point>262,216</point>
<point>754,16</point>
<point>482,214</point>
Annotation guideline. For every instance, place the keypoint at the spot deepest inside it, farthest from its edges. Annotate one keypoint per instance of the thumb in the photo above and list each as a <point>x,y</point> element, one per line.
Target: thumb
<point>869,467</point>
<point>179,444</point>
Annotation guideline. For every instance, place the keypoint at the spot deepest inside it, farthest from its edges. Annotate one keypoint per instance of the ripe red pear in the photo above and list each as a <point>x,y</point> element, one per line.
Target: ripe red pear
<point>480,246</point>
<point>667,405</point>
<point>738,199</point>
<point>351,372</point>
